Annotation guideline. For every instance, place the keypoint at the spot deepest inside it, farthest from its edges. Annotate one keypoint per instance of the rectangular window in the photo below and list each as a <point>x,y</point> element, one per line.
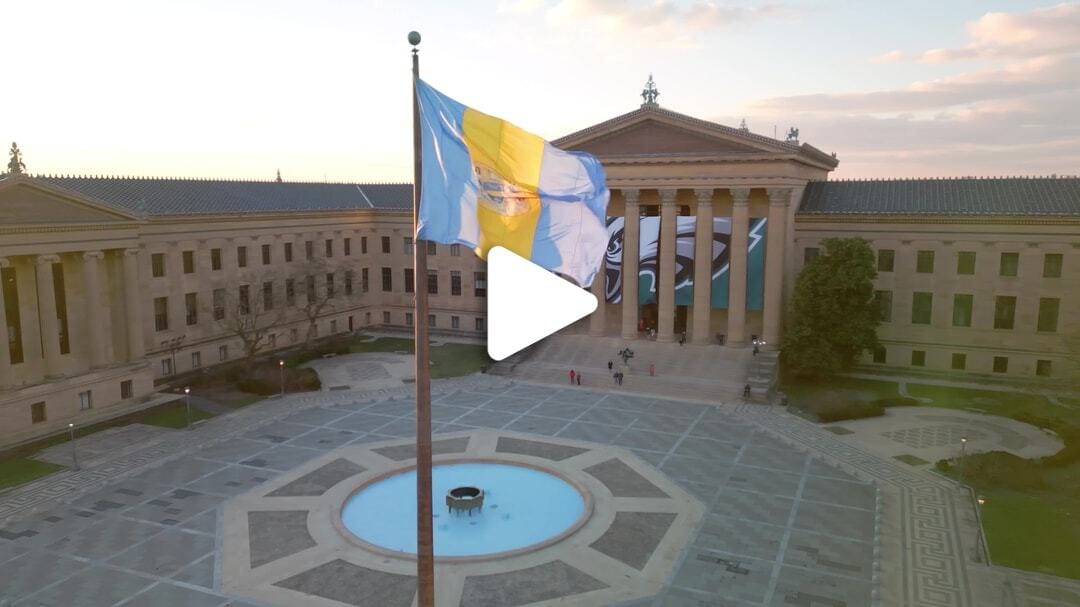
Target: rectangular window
<point>367,319</point>
<point>409,280</point>
<point>60,292</point>
<point>433,282</point>
<point>388,280</point>
<point>348,247</point>
<point>961,309</point>
<point>1048,314</point>
<point>879,355</point>
<point>455,282</point>
<point>161,313</point>
<point>196,360</point>
<point>408,249</point>
<point>272,340</point>
<point>9,290</point>
<point>86,400</point>
<point>333,326</point>
<point>810,254</point>
<point>309,250</point>
<point>223,353</point>
<point>363,245</point>
<point>1010,264</point>
<point>1043,368</point>
<point>1004,311</point>
<point>408,319</point>
<point>288,252</point>
<point>386,318</point>
<point>266,254</point>
<point>431,320</point>
<point>432,248</point>
<point>365,284</point>
<point>1001,364</point>
<point>219,304</point>
<point>479,324</point>
<point>241,257</point>
<point>885,260</point>
<point>329,284</point>
<point>268,295</point>
<point>959,361</point>
<point>294,335</point>
<point>166,366</point>
<point>126,389</point>
<point>191,308</point>
<point>290,292</point>
<point>157,264</point>
<point>348,283</point>
<point>309,288</point>
<point>215,259</point>
<point>37,413</point>
<point>1052,265</point>
<point>965,262</point>
<point>329,247</point>
<point>918,358</point>
<point>924,262</point>
<point>385,244</point>
<point>455,250</point>
<point>243,300</point>
<point>455,322</point>
<point>922,308</point>
<point>189,262</point>
<point>883,301</point>
<point>480,284</point>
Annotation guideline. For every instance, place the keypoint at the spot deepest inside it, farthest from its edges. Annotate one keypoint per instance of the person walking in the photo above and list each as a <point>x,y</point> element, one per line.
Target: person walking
<point>746,391</point>
<point>579,378</point>
<point>610,364</point>
<point>652,370</point>
<point>615,378</point>
<point>572,375</point>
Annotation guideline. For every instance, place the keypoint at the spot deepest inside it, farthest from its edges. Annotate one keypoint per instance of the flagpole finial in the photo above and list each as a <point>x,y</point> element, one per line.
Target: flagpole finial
<point>414,38</point>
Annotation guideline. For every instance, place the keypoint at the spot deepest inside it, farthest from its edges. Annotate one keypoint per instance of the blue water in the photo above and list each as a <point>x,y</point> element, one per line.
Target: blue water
<point>522,506</point>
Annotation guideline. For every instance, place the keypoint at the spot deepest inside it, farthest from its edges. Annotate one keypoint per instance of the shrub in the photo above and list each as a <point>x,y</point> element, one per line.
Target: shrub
<point>265,380</point>
<point>1070,453</point>
<point>896,401</point>
<point>943,466</point>
<point>999,469</point>
<point>253,385</point>
<point>835,411</point>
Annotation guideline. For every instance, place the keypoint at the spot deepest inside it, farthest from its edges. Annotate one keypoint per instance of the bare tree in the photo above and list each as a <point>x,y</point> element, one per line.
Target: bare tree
<point>251,315</point>
<point>318,283</point>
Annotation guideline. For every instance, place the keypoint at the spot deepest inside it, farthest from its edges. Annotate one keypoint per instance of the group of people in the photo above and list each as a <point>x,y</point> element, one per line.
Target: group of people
<point>617,375</point>
<point>575,377</point>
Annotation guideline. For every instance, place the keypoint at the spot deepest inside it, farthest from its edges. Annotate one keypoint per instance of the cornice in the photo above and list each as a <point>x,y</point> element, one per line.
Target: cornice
<point>50,228</point>
<point>730,158</point>
<point>940,219</point>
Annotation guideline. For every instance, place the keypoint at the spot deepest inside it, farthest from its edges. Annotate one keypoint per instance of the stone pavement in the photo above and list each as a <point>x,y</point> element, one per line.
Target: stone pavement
<point>364,371</point>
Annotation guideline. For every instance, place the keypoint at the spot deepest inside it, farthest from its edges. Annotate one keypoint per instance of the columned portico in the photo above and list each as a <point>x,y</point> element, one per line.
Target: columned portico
<point>7,375</point>
<point>95,318</point>
<point>631,234</point>
<point>136,347</point>
<point>774,263</point>
<point>665,296</point>
<point>703,239</point>
<point>598,320</point>
<point>737,266</point>
<point>50,327</point>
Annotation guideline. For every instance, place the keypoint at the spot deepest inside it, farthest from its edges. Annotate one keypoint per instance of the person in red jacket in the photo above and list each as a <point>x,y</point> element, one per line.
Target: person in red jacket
<point>572,375</point>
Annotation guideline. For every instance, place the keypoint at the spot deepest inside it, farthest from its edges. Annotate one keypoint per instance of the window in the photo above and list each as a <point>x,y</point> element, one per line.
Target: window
<point>1043,368</point>
<point>455,250</point>
<point>266,254</point>
<point>961,309</point>
<point>241,257</point>
<point>810,254</point>
<point>223,353</point>
<point>1004,311</point>
<point>1048,314</point>
<point>432,248</point>
<point>455,322</point>
<point>348,247</point>
<point>126,389</point>
<point>879,355</point>
<point>166,366</point>
<point>918,358</point>
<point>161,313</point>
<point>196,360</point>
<point>885,260</point>
<point>329,247</point>
<point>9,290</point>
<point>189,262</point>
<point>191,308</point>
<point>363,245</point>
<point>86,400</point>
<point>455,282</point>
<point>1001,364</point>
<point>329,284</point>
<point>385,244</point>
<point>219,304</point>
<point>924,262</point>
<point>959,361</point>
<point>367,319</point>
<point>272,340</point>
<point>480,284</point>
<point>268,295</point>
<point>288,252</point>
<point>922,308</point>
<point>348,283</point>
<point>408,319</point>
<point>157,264</point>
<point>37,413</point>
<point>408,245</point>
<point>290,292</point>
<point>294,335</point>
<point>433,282</point>
<point>479,324</point>
<point>965,262</point>
<point>309,250</point>
<point>243,300</point>
<point>364,282</point>
<point>409,280</point>
<point>883,301</point>
<point>388,280</point>
<point>386,318</point>
<point>309,288</point>
<point>333,326</point>
<point>1010,263</point>
<point>431,320</point>
<point>1052,265</point>
<point>215,259</point>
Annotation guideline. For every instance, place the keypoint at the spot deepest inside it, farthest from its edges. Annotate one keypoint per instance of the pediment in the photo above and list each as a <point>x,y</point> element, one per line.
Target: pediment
<point>24,201</point>
<point>651,136</point>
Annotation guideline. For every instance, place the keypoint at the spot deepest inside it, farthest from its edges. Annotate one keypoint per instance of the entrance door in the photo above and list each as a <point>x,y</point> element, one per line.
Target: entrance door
<point>680,319</point>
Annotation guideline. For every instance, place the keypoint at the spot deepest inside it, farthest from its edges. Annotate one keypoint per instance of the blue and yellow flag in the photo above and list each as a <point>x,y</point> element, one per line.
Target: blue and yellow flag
<point>489,183</point>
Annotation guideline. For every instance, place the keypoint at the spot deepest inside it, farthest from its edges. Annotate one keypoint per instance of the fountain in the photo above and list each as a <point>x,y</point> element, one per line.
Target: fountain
<point>464,498</point>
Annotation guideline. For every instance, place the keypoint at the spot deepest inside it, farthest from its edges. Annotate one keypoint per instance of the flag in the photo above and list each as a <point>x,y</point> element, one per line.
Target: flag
<point>486,182</point>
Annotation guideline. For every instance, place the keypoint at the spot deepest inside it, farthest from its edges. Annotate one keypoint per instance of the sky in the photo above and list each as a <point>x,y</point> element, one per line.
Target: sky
<point>320,89</point>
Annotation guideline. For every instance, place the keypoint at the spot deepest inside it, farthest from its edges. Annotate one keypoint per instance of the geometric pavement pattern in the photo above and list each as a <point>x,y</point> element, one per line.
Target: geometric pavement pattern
<point>933,436</point>
<point>782,527</point>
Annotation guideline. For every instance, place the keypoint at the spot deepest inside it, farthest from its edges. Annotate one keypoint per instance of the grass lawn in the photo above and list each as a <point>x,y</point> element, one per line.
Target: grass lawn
<point>850,388</point>
<point>1005,404</point>
<point>173,416</point>
<point>449,359</point>
<point>21,470</point>
<point>382,344</point>
<point>1033,532</point>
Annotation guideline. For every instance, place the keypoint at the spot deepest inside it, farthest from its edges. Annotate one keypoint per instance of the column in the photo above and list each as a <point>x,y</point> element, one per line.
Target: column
<point>598,320</point>
<point>665,294</point>
<point>703,243</point>
<point>174,274</point>
<point>132,309</point>
<point>7,374</point>
<point>737,267</point>
<point>50,330</point>
<point>631,234</point>
<point>95,318</point>
<point>774,263</point>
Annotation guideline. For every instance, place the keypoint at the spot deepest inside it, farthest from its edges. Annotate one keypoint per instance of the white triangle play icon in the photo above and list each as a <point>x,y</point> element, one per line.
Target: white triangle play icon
<point>526,303</point>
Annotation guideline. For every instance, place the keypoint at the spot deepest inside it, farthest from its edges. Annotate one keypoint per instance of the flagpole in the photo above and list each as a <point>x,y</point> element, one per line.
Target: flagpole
<point>425,546</point>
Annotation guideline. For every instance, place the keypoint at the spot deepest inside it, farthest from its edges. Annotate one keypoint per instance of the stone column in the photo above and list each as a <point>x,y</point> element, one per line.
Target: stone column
<point>50,329</point>
<point>7,373</point>
<point>95,317</point>
<point>737,266</point>
<point>631,235</point>
<point>598,320</point>
<point>132,309</point>
<point>703,242</point>
<point>665,294</point>
<point>774,264</point>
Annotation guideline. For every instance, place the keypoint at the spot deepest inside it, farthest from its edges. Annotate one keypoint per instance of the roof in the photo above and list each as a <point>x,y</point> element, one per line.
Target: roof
<point>170,196</point>
<point>1002,196</point>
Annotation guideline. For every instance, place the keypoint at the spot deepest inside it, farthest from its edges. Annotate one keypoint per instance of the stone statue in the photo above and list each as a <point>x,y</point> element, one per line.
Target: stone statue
<point>793,134</point>
<point>650,93</point>
<point>15,164</point>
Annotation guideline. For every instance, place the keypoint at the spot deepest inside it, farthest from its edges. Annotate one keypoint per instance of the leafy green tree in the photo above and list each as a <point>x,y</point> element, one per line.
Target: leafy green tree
<point>834,316</point>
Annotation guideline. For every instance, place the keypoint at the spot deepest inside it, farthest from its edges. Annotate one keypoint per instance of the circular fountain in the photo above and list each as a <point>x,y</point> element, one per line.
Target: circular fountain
<point>492,508</point>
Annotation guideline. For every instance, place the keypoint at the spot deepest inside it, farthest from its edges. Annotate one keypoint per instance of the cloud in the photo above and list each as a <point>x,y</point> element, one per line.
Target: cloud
<point>1042,31</point>
<point>890,57</point>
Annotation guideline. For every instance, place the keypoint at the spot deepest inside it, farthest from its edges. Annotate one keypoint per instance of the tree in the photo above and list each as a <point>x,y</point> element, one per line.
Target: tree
<point>317,293</point>
<point>15,166</point>
<point>834,316</point>
<point>249,316</point>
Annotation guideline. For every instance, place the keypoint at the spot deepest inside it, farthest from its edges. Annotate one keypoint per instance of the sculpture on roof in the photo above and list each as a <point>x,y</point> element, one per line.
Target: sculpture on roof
<point>15,164</point>
<point>742,125</point>
<point>793,135</point>
<point>650,93</point>
<point>279,176</point>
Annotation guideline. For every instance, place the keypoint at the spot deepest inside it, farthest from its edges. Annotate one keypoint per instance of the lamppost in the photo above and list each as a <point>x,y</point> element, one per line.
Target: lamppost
<point>187,405</point>
<point>74,456</point>
<point>963,452</point>
<point>980,539</point>
<point>281,376</point>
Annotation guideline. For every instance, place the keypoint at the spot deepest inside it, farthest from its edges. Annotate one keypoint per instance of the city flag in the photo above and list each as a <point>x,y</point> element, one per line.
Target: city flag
<point>489,183</point>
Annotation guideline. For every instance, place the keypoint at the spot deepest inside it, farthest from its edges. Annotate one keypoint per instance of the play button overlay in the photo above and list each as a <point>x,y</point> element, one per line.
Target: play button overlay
<point>526,303</point>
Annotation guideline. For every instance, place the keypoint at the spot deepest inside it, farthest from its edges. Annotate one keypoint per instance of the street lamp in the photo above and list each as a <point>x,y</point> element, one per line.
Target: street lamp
<point>187,405</point>
<point>963,451</point>
<point>281,376</point>
<point>74,456</point>
<point>980,539</point>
